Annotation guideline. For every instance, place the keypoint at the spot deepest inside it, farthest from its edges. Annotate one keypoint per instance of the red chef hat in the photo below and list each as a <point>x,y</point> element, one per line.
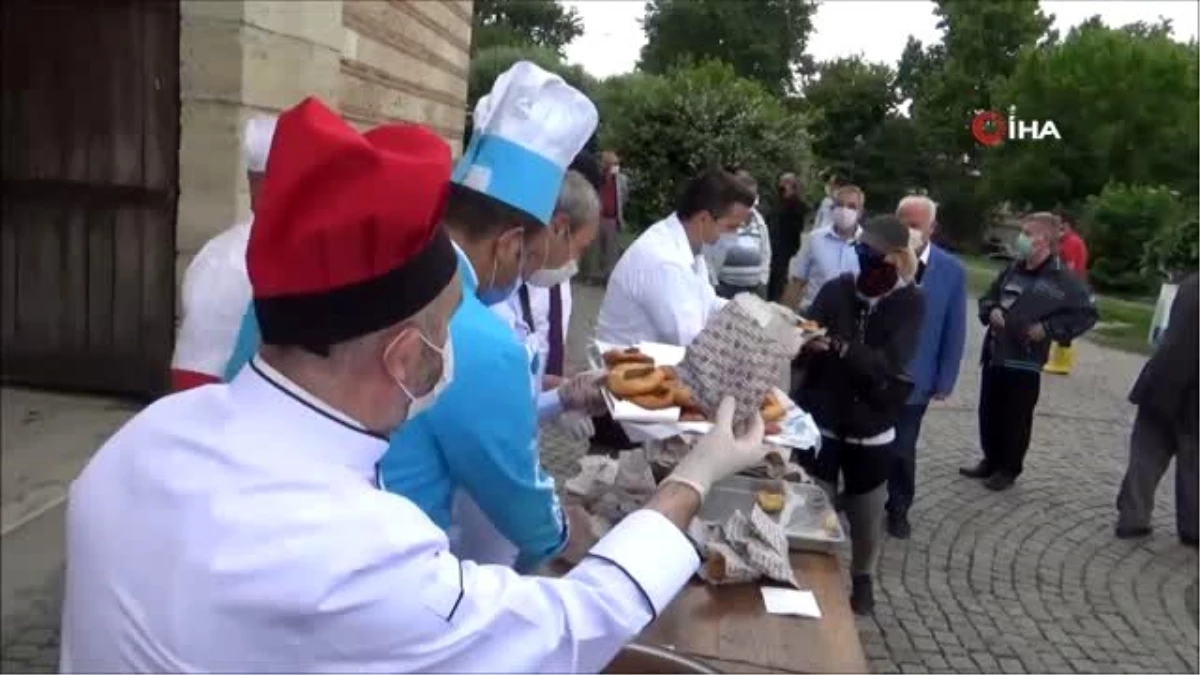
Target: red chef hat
<point>347,237</point>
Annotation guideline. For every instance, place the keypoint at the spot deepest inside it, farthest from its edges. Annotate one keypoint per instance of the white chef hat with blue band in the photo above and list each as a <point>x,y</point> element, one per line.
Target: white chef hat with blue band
<point>527,131</point>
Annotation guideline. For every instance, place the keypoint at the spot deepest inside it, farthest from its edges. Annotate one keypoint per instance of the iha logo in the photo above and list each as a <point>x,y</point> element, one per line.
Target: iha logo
<point>991,128</point>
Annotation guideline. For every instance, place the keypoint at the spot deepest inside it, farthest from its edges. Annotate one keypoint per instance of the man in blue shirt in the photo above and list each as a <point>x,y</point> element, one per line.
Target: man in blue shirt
<point>830,251</point>
<point>934,369</point>
<point>481,436</point>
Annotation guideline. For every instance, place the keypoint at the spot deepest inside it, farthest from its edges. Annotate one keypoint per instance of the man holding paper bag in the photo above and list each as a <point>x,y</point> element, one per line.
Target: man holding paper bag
<point>855,384</point>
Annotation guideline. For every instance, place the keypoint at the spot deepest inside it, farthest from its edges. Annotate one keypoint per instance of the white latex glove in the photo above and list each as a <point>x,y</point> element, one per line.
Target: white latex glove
<point>719,454</point>
<point>582,393</point>
<point>577,426</point>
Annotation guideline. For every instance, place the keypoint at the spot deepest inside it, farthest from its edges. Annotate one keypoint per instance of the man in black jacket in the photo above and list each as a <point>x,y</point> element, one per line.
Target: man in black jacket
<point>787,222</point>
<point>855,385</point>
<point>1166,424</point>
<point>1033,302</point>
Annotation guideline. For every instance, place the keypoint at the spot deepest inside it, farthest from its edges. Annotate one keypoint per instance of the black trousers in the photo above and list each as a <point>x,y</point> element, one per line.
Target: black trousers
<point>1007,398</point>
<point>862,468</point>
<point>902,475</point>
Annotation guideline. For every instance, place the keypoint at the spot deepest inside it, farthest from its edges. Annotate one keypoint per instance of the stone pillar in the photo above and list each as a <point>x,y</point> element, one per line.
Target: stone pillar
<point>239,58</point>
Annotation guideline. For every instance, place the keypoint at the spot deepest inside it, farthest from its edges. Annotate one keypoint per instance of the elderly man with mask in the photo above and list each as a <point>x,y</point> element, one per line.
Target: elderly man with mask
<point>829,253</point>
<point>239,527</point>
<point>476,453</point>
<point>215,289</point>
<point>1032,302</point>
<point>934,368</point>
<point>542,304</point>
<point>855,385</point>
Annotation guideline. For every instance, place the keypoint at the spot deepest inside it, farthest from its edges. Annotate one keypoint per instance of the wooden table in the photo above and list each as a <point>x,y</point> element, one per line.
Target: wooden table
<point>728,627</point>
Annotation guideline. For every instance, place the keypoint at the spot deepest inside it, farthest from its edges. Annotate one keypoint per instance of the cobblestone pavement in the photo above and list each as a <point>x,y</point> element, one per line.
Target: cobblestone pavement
<point>1028,580</point>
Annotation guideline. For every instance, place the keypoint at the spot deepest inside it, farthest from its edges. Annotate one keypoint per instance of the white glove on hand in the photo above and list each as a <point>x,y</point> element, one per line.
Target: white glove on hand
<point>719,454</point>
<point>581,393</point>
<point>577,426</point>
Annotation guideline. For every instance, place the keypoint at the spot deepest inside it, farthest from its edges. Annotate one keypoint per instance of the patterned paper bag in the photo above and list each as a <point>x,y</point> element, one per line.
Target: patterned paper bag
<point>723,565</point>
<point>740,353</point>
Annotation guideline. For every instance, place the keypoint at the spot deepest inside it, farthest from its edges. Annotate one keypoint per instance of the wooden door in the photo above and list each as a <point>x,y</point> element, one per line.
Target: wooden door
<point>90,168</point>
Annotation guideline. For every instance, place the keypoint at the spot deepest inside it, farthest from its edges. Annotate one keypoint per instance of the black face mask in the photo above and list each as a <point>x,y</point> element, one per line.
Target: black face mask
<point>876,276</point>
<point>877,281</point>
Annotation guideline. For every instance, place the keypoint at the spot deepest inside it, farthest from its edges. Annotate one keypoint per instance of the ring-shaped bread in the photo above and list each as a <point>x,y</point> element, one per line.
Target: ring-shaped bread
<point>632,379</point>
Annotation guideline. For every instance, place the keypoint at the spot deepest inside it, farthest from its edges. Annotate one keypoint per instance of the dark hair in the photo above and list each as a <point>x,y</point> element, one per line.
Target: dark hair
<point>589,167</point>
<point>1065,216</point>
<point>713,190</point>
<point>479,216</point>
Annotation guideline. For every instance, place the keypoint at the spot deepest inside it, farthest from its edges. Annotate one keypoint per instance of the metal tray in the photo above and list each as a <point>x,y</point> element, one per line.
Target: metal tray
<point>802,515</point>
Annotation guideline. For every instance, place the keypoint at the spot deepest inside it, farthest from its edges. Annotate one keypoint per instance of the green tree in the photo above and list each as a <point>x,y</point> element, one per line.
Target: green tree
<point>668,127</point>
<point>763,40</point>
<point>1126,102</point>
<point>541,23</point>
<point>1119,222</point>
<point>951,81</point>
<point>848,100</point>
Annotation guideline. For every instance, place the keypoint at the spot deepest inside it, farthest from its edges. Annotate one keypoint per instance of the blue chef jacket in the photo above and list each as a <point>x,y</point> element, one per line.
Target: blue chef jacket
<point>480,435</point>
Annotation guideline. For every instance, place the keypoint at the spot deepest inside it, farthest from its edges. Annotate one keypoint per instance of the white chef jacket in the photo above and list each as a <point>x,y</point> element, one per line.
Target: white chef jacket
<point>659,290</point>
<point>213,299</point>
<point>237,527</point>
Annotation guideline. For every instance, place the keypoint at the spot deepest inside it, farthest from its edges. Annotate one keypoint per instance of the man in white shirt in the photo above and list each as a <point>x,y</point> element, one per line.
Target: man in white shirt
<point>829,252</point>
<point>239,527</point>
<point>215,290</point>
<point>660,290</point>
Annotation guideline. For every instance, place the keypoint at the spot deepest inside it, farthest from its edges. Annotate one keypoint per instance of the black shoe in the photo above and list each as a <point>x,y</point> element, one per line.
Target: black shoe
<point>1130,532</point>
<point>898,526</point>
<point>862,596</point>
<point>980,470</point>
<point>1190,542</point>
<point>1000,481</point>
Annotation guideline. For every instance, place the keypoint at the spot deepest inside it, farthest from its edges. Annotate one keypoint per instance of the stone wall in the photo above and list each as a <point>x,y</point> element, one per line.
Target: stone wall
<point>377,61</point>
<point>406,61</point>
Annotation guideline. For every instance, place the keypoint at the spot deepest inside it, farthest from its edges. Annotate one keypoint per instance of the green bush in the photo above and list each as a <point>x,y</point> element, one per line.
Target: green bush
<point>1119,225</point>
<point>1174,250</point>
<point>668,127</point>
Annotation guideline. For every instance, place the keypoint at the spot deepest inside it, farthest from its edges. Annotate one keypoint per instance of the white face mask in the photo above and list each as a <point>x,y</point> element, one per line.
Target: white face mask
<point>614,169</point>
<point>547,278</point>
<point>845,218</point>
<point>550,278</point>
<point>425,401</point>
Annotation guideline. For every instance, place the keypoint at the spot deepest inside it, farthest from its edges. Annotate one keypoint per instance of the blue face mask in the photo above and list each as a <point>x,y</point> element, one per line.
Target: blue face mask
<point>493,294</point>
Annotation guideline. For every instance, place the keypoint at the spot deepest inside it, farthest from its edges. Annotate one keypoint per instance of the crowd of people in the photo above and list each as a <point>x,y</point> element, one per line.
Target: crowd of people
<point>349,478</point>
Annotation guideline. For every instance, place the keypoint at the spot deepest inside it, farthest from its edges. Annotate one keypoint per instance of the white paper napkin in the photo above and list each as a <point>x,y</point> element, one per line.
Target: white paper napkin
<point>790,602</point>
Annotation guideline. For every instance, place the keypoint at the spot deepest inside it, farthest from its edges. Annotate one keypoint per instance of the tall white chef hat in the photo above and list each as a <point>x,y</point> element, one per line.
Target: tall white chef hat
<point>526,133</point>
<point>256,142</point>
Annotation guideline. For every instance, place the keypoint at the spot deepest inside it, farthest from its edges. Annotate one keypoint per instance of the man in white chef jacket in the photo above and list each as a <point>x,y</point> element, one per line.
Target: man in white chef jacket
<point>238,527</point>
<point>215,290</point>
<point>660,290</point>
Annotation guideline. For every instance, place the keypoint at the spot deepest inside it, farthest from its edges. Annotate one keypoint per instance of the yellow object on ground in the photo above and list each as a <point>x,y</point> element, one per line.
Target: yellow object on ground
<point>1061,360</point>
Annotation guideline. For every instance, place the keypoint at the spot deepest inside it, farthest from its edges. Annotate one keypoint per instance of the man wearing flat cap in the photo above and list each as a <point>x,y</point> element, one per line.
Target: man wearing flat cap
<point>855,385</point>
<point>240,528</point>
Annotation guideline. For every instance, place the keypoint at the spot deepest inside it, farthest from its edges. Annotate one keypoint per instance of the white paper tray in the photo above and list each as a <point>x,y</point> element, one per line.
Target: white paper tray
<point>799,429</point>
<point>802,515</point>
